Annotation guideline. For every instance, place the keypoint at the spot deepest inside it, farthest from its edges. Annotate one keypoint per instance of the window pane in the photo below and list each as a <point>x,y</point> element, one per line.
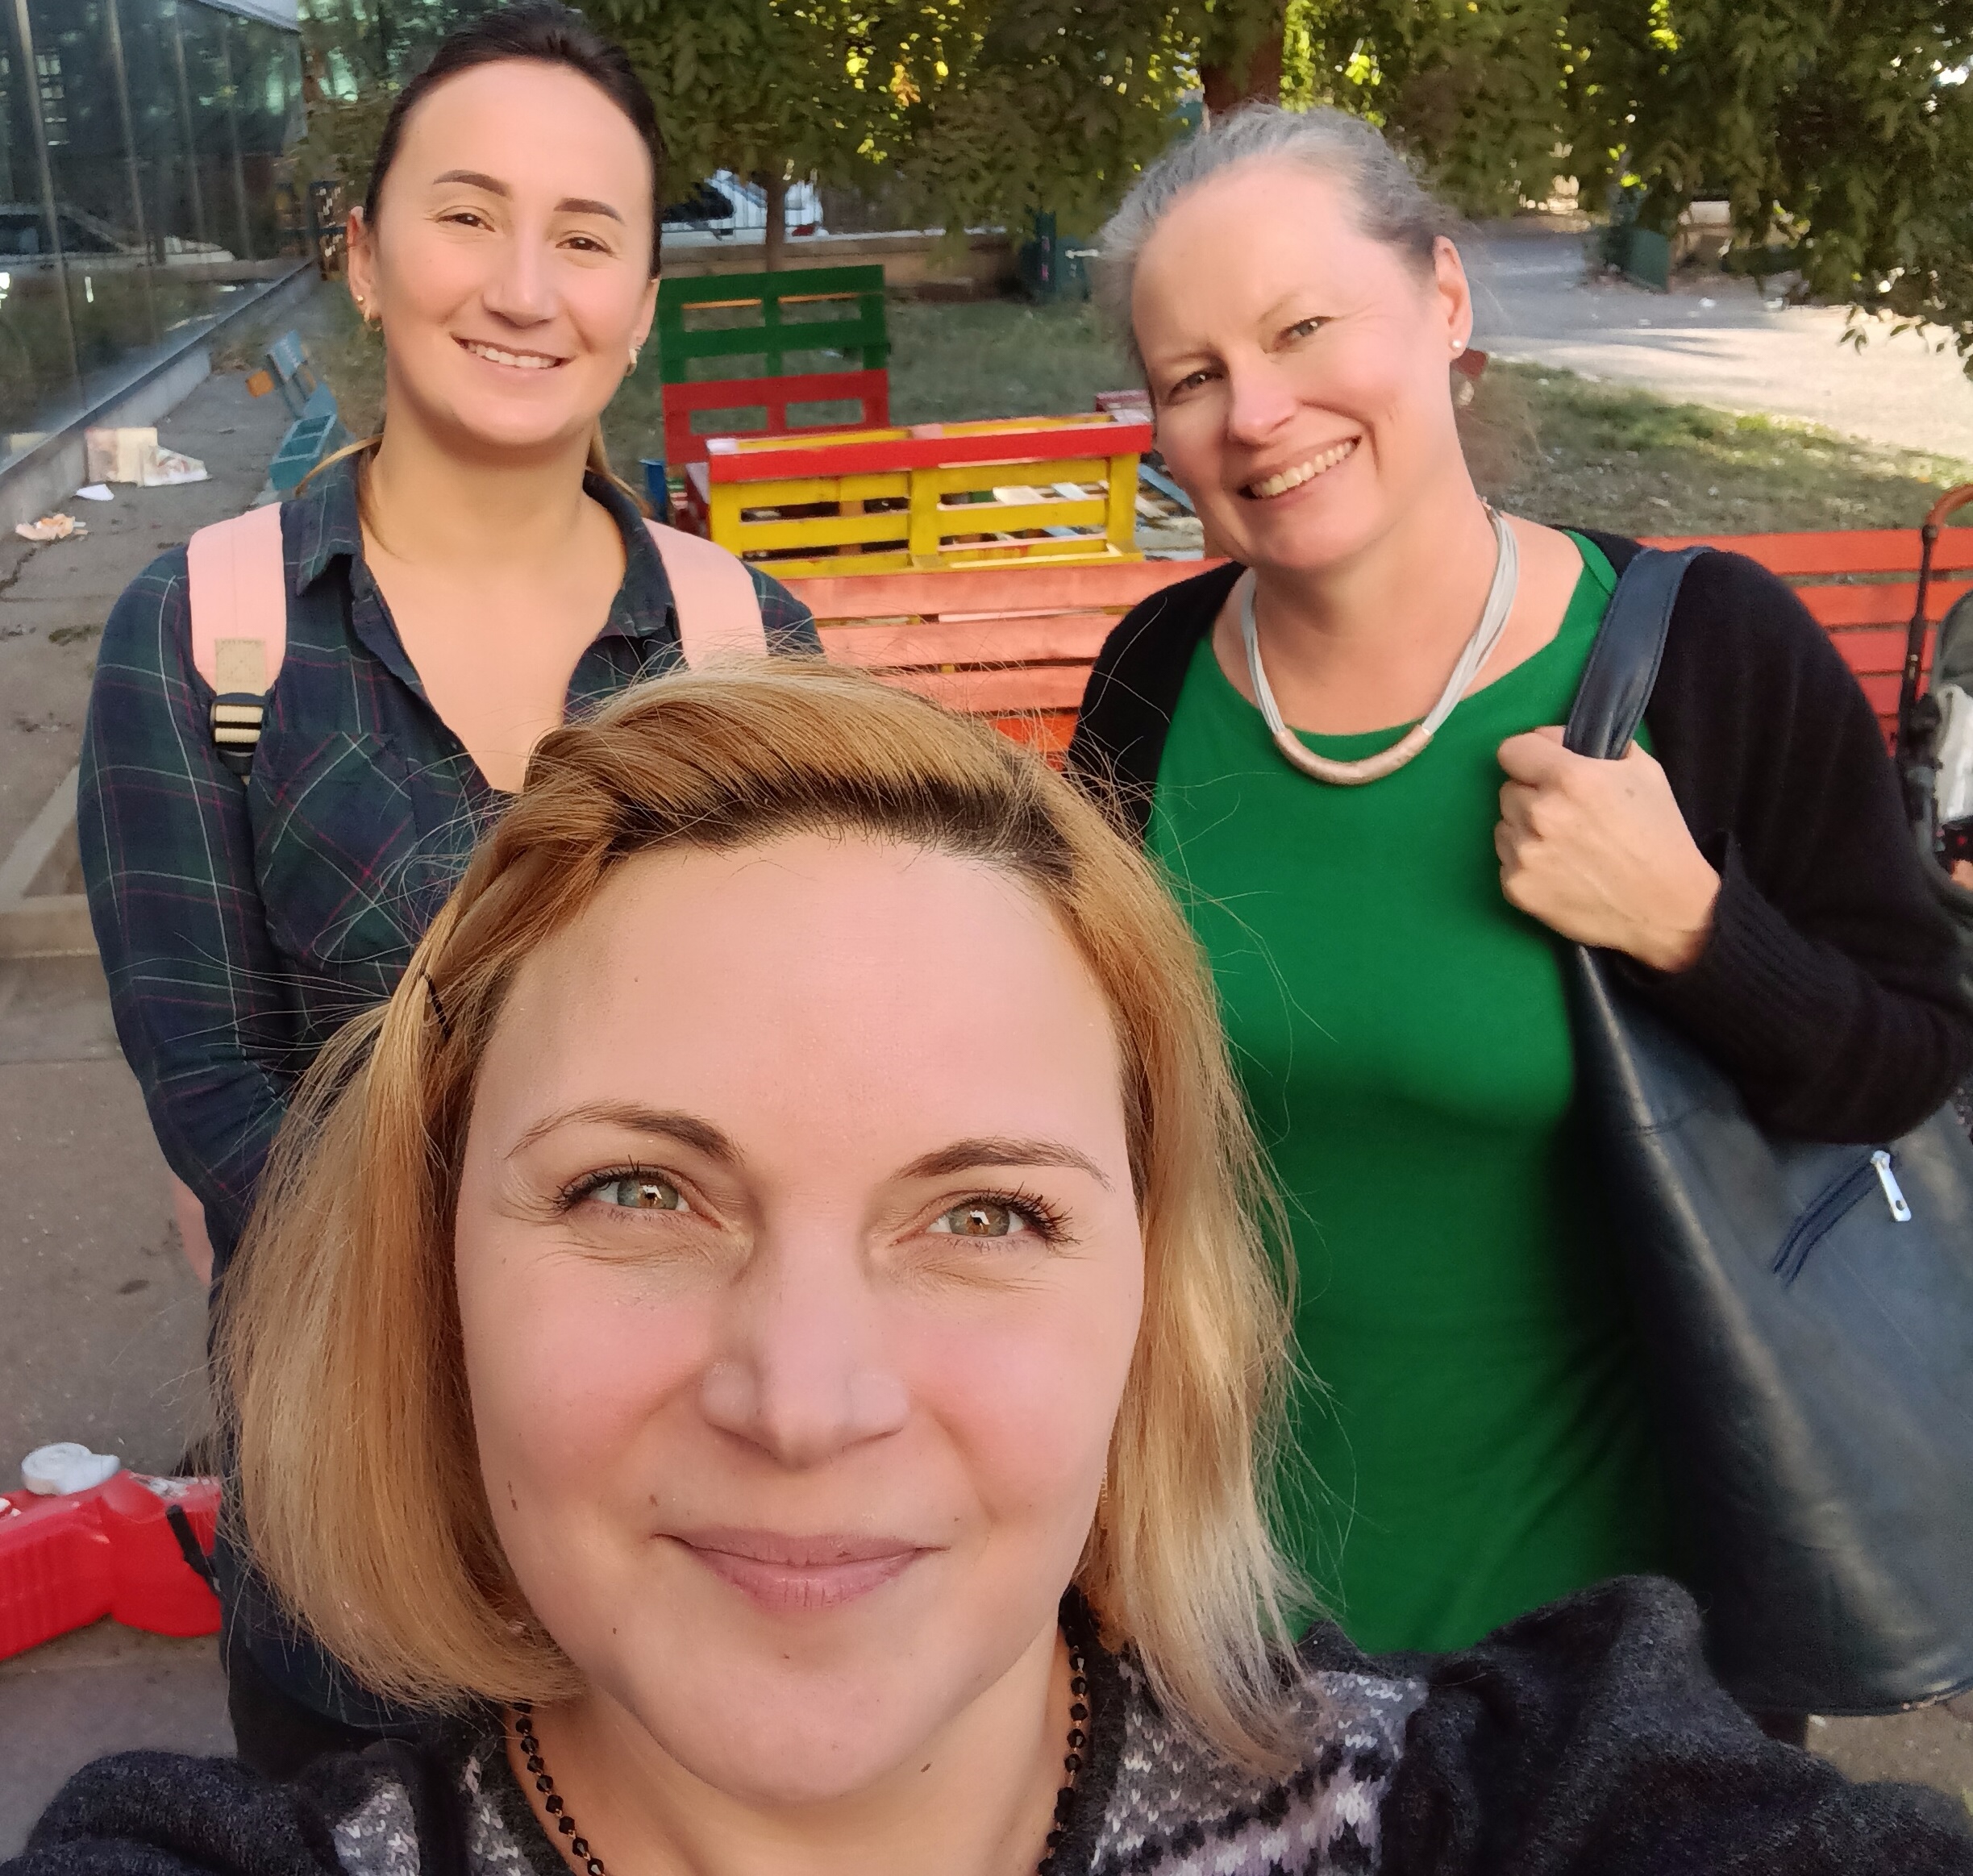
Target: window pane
<point>165,121</point>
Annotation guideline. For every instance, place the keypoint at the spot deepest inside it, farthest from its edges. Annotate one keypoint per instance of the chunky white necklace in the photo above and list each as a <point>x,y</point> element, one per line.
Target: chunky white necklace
<point>1479,648</point>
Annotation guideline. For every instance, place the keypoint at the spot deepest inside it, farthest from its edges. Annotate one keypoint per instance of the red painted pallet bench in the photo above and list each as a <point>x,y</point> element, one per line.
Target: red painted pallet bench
<point>737,398</point>
<point>1012,643</point>
<point>1015,643</point>
<point>1861,585</point>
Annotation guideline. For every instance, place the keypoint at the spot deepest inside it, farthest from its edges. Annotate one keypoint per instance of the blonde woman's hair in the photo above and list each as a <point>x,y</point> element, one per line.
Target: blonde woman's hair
<point>340,1344</point>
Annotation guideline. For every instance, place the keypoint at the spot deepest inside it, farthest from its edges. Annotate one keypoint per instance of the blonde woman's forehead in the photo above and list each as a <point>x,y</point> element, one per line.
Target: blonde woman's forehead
<point>818,988</point>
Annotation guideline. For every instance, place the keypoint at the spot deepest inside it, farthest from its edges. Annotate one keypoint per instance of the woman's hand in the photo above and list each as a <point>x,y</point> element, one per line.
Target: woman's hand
<point>1599,852</point>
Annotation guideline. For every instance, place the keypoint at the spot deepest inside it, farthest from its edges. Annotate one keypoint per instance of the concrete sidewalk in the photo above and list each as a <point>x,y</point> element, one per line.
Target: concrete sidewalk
<point>102,1329</point>
<point>1713,340</point>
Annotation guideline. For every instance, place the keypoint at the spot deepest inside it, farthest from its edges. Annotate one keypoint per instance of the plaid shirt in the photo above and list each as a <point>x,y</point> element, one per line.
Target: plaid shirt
<point>243,920</point>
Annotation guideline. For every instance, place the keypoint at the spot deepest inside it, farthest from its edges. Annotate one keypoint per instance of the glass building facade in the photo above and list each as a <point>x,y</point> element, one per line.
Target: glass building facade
<point>143,193</point>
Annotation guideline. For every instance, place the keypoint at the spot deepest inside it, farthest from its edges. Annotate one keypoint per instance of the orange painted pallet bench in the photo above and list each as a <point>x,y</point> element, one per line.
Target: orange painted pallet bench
<point>1860,583</point>
<point>1015,643</point>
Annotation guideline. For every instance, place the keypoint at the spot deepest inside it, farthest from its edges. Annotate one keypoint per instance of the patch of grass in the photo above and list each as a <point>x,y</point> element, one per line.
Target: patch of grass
<point>1558,447</point>
<point>998,358</point>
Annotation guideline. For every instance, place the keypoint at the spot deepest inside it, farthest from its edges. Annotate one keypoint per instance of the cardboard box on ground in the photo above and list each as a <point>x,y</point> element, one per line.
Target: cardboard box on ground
<point>133,454</point>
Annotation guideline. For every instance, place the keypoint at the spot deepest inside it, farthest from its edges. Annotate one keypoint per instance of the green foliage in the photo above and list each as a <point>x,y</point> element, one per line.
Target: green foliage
<point>769,85</point>
<point>965,111</point>
<point>1836,130</point>
<point>355,53</point>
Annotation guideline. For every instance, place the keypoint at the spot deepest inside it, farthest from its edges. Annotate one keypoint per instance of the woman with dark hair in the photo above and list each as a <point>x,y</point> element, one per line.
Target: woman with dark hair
<point>454,587</point>
<point>1345,745</point>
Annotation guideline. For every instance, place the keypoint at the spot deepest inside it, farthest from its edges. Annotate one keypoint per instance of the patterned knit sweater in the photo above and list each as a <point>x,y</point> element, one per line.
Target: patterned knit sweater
<point>1586,1739</point>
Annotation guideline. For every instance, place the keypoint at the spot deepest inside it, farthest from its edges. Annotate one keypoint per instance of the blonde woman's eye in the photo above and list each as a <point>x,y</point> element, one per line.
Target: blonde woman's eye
<point>638,1193</point>
<point>987,1218</point>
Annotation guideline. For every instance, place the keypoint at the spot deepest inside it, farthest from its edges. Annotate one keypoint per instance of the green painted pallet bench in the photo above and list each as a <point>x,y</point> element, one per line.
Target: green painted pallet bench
<point>771,318</point>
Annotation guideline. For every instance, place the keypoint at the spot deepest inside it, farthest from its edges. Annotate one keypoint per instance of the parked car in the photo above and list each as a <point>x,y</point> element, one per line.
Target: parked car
<point>723,206</point>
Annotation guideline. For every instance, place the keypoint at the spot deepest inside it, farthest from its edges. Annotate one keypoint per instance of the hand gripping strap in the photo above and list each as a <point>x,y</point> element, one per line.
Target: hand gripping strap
<point>718,606</point>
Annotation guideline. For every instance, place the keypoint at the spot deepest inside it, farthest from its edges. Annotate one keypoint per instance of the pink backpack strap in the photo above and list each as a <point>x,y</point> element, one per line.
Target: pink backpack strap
<point>717,604</point>
<point>239,623</point>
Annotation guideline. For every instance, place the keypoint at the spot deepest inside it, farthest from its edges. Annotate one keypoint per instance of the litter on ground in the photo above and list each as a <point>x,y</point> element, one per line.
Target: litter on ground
<point>50,527</point>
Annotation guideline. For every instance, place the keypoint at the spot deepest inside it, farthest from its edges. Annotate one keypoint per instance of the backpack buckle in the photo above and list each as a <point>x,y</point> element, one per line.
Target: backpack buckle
<point>237,717</point>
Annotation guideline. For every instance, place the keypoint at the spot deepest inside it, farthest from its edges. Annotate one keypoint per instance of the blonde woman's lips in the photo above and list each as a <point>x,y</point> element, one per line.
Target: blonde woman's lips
<point>523,361</point>
<point>788,1574</point>
<point>1292,477</point>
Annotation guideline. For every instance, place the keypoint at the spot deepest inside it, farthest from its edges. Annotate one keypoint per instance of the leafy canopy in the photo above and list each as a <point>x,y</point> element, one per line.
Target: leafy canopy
<point>1842,132</point>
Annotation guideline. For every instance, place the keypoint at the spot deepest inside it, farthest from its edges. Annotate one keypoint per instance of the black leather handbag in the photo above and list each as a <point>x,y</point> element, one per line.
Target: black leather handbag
<point>1807,1314</point>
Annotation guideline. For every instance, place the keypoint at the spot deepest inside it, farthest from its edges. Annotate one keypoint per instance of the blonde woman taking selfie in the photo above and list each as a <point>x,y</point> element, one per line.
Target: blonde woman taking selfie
<point>816,1421</point>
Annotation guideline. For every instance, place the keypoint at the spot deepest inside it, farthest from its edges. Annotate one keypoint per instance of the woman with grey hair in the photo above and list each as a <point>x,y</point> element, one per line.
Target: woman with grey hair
<point>1343,744</point>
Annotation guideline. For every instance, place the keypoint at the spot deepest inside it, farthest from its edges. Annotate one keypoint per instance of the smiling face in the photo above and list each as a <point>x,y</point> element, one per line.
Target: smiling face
<point>1298,366</point>
<point>511,265</point>
<point>799,1274</point>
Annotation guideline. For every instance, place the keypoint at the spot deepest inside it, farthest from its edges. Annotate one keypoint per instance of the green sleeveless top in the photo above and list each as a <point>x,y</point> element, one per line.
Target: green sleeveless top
<point>1470,1434</point>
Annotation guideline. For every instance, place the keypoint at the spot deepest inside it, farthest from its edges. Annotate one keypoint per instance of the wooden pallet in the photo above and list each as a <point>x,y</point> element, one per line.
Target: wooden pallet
<point>1011,643</point>
<point>698,327</point>
<point>952,495</point>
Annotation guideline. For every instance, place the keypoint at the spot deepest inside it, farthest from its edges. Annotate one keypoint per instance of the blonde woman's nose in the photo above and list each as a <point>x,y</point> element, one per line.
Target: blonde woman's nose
<point>802,1372</point>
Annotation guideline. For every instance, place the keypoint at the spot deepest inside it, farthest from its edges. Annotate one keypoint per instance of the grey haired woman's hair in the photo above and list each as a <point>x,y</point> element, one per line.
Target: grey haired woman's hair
<point>1393,206</point>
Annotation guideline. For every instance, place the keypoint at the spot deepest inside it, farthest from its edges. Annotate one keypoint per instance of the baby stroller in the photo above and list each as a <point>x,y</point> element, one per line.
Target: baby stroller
<point>1934,748</point>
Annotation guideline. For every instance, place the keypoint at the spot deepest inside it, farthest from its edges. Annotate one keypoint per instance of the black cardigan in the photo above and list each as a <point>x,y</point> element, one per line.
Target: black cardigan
<point>1586,1739</point>
<point>1829,989</point>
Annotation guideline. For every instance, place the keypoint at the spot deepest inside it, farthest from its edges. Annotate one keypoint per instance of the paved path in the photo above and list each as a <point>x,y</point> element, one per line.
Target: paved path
<point>1712,340</point>
<point>102,1330</point>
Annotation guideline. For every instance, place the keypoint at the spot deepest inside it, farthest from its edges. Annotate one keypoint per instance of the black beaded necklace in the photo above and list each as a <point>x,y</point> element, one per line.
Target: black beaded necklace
<point>523,1714</point>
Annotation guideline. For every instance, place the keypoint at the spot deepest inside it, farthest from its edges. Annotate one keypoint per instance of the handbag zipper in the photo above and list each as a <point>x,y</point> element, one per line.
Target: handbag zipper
<point>1894,1193</point>
<point>1832,1205</point>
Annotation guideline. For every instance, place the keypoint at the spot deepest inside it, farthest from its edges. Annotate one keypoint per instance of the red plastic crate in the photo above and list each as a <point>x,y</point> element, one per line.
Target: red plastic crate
<point>67,1562</point>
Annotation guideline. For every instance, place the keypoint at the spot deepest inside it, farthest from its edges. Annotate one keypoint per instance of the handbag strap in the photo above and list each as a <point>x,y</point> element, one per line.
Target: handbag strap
<point>1623,663</point>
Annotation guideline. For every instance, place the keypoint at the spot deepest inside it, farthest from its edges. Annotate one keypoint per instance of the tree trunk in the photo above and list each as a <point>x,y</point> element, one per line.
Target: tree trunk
<point>1224,87</point>
<point>775,183</point>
